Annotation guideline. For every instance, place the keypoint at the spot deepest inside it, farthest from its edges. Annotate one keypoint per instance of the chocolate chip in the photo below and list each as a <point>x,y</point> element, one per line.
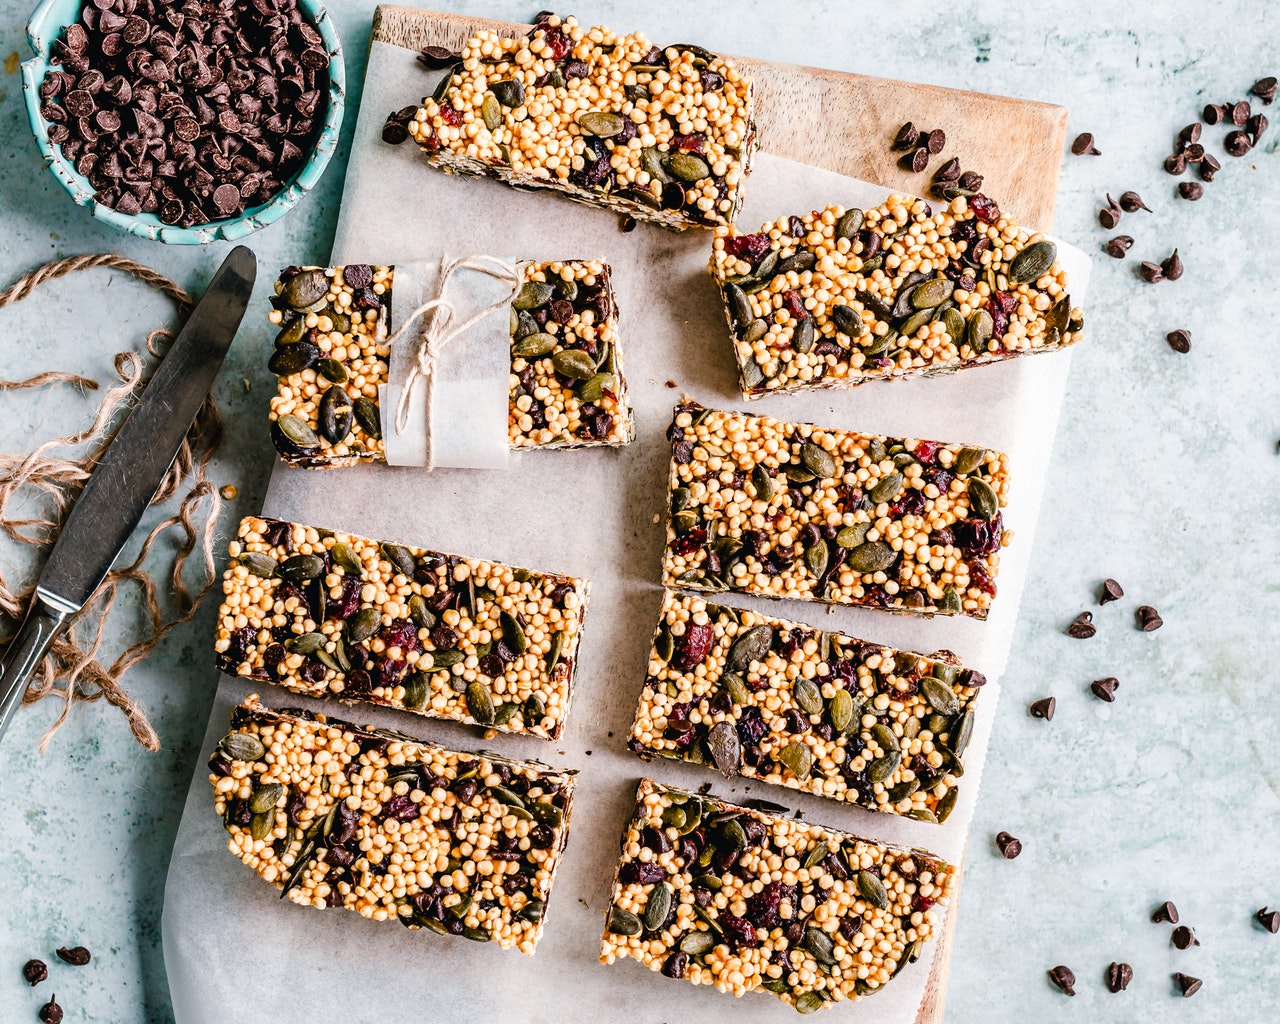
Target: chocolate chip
<point>1043,708</point>
<point>1213,113</point>
<point>76,956</point>
<point>1064,978</point>
<point>1269,919</point>
<point>1148,618</point>
<point>1009,846</point>
<point>1255,126</point>
<point>51,1012</point>
<point>1194,153</point>
<point>1209,166</point>
<point>1151,272</point>
<point>936,141</point>
<point>1111,591</point>
<point>1179,340</point>
<point>948,172</point>
<point>1105,689</point>
<point>1109,215</point>
<point>35,971</point>
<point>1165,912</point>
<point>1187,985</point>
<point>1082,626</point>
<point>1183,937</point>
<point>226,197</point>
<point>1189,134</point>
<point>1131,202</point>
<point>1240,112</point>
<point>1083,145</point>
<point>971,181</point>
<point>1265,89</point>
<point>626,223</point>
<point>1237,143</point>
<point>438,58</point>
<point>1172,264</point>
<point>1118,246</point>
<point>1175,163</point>
<point>906,137</point>
<point>917,160</point>
<point>1191,190</point>
<point>1118,976</point>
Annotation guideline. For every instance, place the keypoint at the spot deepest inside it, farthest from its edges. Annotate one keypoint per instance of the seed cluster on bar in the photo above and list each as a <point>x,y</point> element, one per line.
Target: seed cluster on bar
<point>664,134</point>
<point>840,296</point>
<point>329,614</point>
<point>744,900</point>
<point>792,510</point>
<point>391,827</point>
<point>567,388</point>
<point>796,706</point>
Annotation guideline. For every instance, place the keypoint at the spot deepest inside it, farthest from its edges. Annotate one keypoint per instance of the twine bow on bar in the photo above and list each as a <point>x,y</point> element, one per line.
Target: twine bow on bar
<point>437,330</point>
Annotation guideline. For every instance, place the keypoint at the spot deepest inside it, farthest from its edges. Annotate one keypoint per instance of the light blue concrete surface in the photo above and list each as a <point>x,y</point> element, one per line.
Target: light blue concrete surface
<point>1165,476</point>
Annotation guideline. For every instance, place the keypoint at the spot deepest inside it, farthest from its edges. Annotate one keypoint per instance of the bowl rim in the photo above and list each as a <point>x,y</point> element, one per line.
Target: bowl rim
<point>46,24</point>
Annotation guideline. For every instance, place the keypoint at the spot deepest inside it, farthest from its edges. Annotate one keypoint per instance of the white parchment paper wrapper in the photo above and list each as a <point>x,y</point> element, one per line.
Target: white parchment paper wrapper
<point>233,948</point>
<point>465,423</point>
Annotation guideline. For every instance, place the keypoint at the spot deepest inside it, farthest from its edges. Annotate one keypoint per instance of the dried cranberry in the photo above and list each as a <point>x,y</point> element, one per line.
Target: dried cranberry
<point>694,646</point>
<point>241,641</point>
<point>400,633</point>
<point>556,42</point>
<point>682,453</point>
<point>450,116</point>
<point>912,504</point>
<point>981,579</point>
<point>596,423</point>
<point>738,930</point>
<point>294,805</point>
<point>219,765</point>
<point>559,592</point>
<point>359,683</point>
<point>593,172</point>
<point>491,665</point>
<point>977,536</point>
<point>576,69</point>
<point>794,722</point>
<point>344,825</point>
<point>690,542</point>
<point>444,637</point>
<point>391,672</point>
<point>762,908</point>
<point>984,209</point>
<point>748,247</point>
<point>751,727</point>
<point>796,226</point>
<point>341,857</point>
<point>923,903</point>
<point>642,872</point>
<point>348,602</point>
<point>692,144</point>
<point>654,57</point>
<point>926,451</point>
<point>794,305</point>
<point>401,808</point>
<point>751,541</point>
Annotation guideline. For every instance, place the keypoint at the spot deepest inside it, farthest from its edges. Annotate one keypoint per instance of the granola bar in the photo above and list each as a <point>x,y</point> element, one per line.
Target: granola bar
<point>745,900</point>
<point>335,815</point>
<point>792,510</point>
<point>566,388</point>
<point>839,297</point>
<point>662,133</point>
<point>333,615</point>
<point>796,706</point>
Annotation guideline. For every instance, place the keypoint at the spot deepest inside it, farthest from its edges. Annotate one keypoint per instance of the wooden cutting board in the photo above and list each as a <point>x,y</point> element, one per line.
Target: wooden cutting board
<point>799,112</point>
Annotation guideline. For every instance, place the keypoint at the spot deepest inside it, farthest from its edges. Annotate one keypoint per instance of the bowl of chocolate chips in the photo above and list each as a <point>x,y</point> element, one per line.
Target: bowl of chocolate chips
<point>185,121</point>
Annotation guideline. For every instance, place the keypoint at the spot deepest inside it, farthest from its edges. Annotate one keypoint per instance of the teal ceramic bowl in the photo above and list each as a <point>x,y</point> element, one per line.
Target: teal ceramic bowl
<point>46,25</point>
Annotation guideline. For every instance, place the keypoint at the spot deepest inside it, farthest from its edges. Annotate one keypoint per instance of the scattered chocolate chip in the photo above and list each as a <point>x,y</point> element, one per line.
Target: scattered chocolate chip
<point>1209,166</point>
<point>1191,190</point>
<point>35,971</point>
<point>948,172</point>
<point>1119,245</point>
<point>394,133</point>
<point>1131,202</point>
<point>1237,143</point>
<point>1172,265</point>
<point>1111,591</point>
<point>1165,912</point>
<point>971,181</point>
<point>1240,112</point>
<point>1148,618</point>
<point>1194,153</point>
<point>1175,163</point>
<point>1119,976</point>
<point>1109,215</point>
<point>1064,978</point>
<point>76,956</point>
<point>1255,126</point>
<point>1265,89</point>
<point>1043,708</point>
<point>1083,145</point>
<point>436,58</point>
<point>627,223</point>
<point>1009,846</point>
<point>1269,919</point>
<point>917,160</point>
<point>1179,340</point>
<point>1082,626</point>
<point>1105,689</point>
<point>51,1012</point>
<point>1151,272</point>
<point>906,138</point>
<point>1188,985</point>
<point>1213,113</point>
<point>936,141</point>
<point>1188,135</point>
<point>1184,938</point>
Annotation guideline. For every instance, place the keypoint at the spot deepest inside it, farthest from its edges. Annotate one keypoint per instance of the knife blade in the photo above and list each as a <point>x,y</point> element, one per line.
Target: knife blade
<point>127,476</point>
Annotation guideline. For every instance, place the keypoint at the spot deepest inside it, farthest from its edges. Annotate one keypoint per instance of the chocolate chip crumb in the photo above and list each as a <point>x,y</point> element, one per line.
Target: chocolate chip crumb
<point>1010,846</point>
<point>1118,976</point>
<point>35,971</point>
<point>1165,912</point>
<point>1064,978</point>
<point>1043,708</point>
<point>1105,689</point>
<point>1083,145</point>
<point>1179,340</point>
<point>1184,938</point>
<point>1148,618</point>
<point>1188,985</point>
<point>1082,627</point>
<point>1111,591</point>
<point>76,956</point>
<point>1269,919</point>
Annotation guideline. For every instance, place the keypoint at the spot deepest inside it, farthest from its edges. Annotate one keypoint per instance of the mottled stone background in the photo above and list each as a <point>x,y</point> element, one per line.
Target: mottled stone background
<point>1165,476</point>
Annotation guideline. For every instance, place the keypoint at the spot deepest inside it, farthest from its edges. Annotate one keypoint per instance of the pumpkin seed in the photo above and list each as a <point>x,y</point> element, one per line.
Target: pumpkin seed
<point>292,359</point>
<point>697,943</point>
<point>849,224</point>
<point>344,555</point>
<point>739,305</point>
<point>261,825</point>
<point>259,564</point>
<point>305,288</point>
<point>266,797</point>
<point>534,346</point>
<point>507,797</point>
<point>547,813</point>
<point>940,696</point>
<point>874,556</point>
<point>817,855</point>
<point>301,568</point>
<point>756,330</point>
<point>885,738</point>
<point>422,616</point>
<point>574,363</point>
<point>946,805</point>
<point>808,1002</point>
<point>416,691</point>
<point>819,943</point>
<point>554,652</point>
<point>914,322</point>
<point>853,536</point>
<point>797,473</point>
<point>621,922</point>
<point>1032,263</point>
<point>982,499</point>
<point>752,376</point>
<point>841,710</point>
<point>363,624</point>
<point>332,370</point>
<point>535,709</point>
<point>763,483</point>
<point>305,643</point>
<point>733,835</point>
<point>931,293</point>
<point>737,689</point>
<point>878,344</point>
<point>476,934</point>
<point>658,907</point>
<point>903,789</point>
<point>887,489</point>
<point>293,333</point>
<point>725,747</point>
<point>673,817</point>
<point>816,559</point>
<point>873,890</point>
<point>962,733</point>
<point>242,746</point>
<point>798,757</point>
<point>687,166</point>
<point>593,390</point>
<point>753,645</point>
<point>950,603</point>
<point>808,696</point>
<point>601,123</point>
<point>513,632</point>
<point>954,323</point>
<point>923,814</point>
<point>664,644</point>
<point>295,428</point>
<point>651,161</point>
<point>818,460</point>
<point>533,294</point>
<point>504,713</point>
<point>491,111</point>
<point>882,768</point>
<point>847,320</point>
<point>400,557</point>
<point>981,328</point>
<point>967,461</point>
<point>911,728</point>
<point>802,338</point>
<point>335,415</point>
<point>368,416</point>
<point>480,703</point>
<point>510,92</point>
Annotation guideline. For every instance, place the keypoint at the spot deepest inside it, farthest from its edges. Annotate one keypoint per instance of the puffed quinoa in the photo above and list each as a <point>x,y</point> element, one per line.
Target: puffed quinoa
<point>838,297</point>
<point>392,827</point>
<point>567,388</point>
<point>790,510</point>
<point>746,901</point>
<point>334,615</point>
<point>663,134</point>
<point>796,706</point>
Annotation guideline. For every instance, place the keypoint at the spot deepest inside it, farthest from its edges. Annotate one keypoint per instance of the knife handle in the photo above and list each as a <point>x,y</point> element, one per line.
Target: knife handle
<point>44,621</point>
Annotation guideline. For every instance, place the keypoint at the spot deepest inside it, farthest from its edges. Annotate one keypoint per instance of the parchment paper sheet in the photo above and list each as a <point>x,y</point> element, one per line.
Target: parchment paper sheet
<point>233,949</point>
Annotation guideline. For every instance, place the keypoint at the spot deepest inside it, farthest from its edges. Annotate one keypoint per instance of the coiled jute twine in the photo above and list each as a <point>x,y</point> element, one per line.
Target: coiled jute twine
<point>44,482</point>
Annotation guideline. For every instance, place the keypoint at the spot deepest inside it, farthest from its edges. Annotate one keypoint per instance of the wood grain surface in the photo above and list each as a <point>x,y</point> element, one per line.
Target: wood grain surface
<point>1015,144</point>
